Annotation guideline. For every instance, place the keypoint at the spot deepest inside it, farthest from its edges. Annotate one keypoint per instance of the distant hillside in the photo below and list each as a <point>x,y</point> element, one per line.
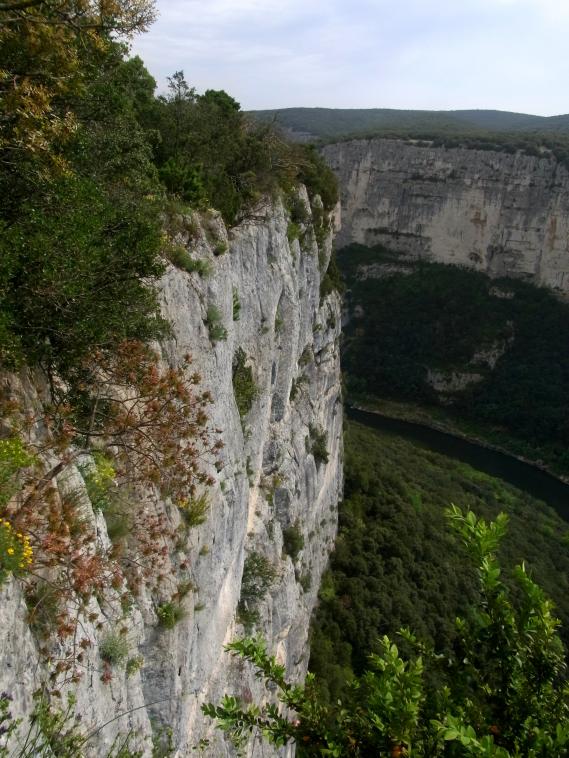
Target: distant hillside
<point>333,123</point>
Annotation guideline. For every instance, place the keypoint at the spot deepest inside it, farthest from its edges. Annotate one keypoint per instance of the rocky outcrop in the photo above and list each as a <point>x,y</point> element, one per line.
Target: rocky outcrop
<point>501,213</point>
<point>267,293</point>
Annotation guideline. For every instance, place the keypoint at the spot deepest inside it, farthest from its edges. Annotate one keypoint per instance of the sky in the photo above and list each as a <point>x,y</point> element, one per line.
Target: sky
<point>426,54</point>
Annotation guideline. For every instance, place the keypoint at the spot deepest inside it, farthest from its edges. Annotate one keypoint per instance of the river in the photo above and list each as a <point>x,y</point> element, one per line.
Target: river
<point>522,475</point>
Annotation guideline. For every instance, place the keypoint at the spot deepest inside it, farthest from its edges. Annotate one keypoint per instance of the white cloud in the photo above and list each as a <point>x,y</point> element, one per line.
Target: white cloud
<point>505,54</point>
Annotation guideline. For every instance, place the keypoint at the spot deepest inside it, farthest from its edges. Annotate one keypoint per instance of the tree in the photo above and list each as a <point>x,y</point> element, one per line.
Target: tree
<point>122,17</point>
<point>501,692</point>
<point>42,52</point>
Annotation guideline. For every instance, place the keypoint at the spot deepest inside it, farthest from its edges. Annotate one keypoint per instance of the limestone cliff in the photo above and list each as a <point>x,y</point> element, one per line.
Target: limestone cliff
<point>505,214</point>
<point>267,291</point>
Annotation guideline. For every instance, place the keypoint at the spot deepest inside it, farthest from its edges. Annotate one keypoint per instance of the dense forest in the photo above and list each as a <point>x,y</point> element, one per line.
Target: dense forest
<point>425,317</point>
<point>395,564</point>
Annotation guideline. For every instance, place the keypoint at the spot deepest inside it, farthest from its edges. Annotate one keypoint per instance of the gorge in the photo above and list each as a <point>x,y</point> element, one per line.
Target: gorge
<point>172,427</point>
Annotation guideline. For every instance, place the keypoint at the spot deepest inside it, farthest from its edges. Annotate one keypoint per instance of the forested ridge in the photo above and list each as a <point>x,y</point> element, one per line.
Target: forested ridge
<point>330,123</point>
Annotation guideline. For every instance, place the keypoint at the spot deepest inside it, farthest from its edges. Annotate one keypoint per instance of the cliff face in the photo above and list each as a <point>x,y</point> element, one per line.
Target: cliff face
<point>267,292</point>
<point>507,215</point>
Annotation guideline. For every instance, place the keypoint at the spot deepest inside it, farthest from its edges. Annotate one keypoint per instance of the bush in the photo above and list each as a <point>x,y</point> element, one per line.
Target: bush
<point>134,664</point>
<point>297,209</point>
<point>236,304</point>
<point>244,387</point>
<point>13,458</point>
<point>194,510</point>
<point>180,257</point>
<point>292,232</point>
<point>305,581</point>
<point>258,575</point>
<point>113,649</point>
<point>332,281</point>
<point>306,357</point>
<point>296,385</point>
<point>69,285</point>
<point>293,541</point>
<point>170,614</point>
<point>217,332</point>
<point>316,443</point>
<point>106,496</point>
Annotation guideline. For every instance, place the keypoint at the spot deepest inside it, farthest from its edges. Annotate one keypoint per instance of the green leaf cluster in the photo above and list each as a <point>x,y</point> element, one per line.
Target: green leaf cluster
<point>500,692</point>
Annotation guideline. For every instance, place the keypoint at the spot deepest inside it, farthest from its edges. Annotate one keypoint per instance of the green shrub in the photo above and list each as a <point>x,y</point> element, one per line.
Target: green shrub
<point>76,272</point>
<point>500,691</point>
<point>318,178</point>
<point>113,648</point>
<point>297,209</point>
<point>107,497</point>
<point>236,305</point>
<point>184,180</point>
<point>244,387</point>
<point>258,576</point>
<point>194,510</point>
<point>332,281</point>
<point>134,664</point>
<point>293,232</point>
<point>316,443</point>
<point>180,257</point>
<point>220,247</point>
<point>16,553</point>
<point>248,615</point>
<point>13,458</point>
<point>217,332</point>
<point>293,541</point>
<point>43,602</point>
<point>170,614</point>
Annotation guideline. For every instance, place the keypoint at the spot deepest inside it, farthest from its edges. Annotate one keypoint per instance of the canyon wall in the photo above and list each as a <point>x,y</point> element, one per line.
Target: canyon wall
<point>501,213</point>
<point>266,288</point>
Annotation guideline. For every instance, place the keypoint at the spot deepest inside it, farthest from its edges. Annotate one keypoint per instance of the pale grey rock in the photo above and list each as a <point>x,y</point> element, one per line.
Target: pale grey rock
<point>266,482</point>
<point>504,214</point>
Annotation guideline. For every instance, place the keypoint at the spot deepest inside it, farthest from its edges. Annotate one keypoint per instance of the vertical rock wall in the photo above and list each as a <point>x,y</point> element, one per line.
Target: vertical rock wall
<point>267,291</point>
<point>505,214</point>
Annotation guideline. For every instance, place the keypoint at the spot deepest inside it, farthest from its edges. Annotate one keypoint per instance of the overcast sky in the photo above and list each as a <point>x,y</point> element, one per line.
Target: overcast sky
<point>432,54</point>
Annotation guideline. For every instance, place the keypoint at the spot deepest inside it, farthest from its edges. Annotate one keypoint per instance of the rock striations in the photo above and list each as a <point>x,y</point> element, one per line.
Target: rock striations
<point>504,214</point>
<point>267,294</point>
